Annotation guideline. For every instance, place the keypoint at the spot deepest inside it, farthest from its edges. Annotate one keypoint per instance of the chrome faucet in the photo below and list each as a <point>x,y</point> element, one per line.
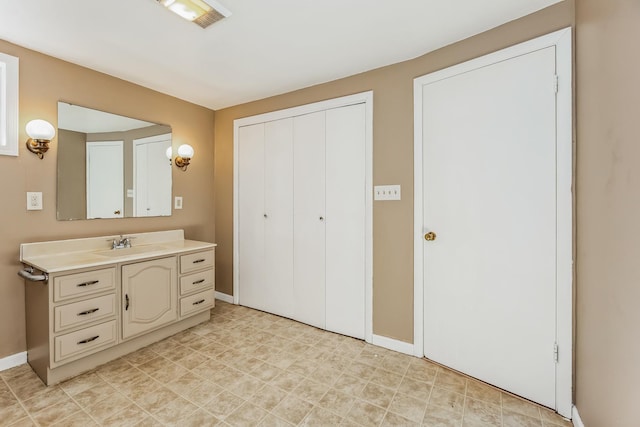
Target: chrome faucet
<point>122,243</point>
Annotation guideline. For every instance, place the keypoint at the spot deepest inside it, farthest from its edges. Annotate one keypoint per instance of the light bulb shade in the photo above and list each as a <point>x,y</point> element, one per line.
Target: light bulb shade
<point>169,153</point>
<point>185,150</point>
<point>40,130</point>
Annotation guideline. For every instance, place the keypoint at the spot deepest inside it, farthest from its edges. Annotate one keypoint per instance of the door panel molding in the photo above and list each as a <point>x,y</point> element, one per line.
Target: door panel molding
<point>561,41</point>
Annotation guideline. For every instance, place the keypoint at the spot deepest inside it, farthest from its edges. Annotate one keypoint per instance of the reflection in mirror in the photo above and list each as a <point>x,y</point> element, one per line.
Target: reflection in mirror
<point>110,166</point>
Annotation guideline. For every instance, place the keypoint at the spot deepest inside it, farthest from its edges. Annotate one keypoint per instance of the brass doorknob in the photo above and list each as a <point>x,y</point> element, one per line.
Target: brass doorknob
<point>116,212</point>
<point>430,236</point>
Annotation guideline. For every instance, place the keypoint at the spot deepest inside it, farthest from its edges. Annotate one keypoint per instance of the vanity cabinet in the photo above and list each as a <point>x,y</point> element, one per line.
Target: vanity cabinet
<point>149,295</point>
<point>92,305</point>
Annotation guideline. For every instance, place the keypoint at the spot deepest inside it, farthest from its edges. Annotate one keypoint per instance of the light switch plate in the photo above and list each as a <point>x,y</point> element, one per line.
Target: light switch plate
<point>177,203</point>
<point>386,192</point>
<point>34,201</point>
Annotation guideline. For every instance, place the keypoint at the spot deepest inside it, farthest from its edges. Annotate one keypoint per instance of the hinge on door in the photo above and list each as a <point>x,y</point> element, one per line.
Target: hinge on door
<point>555,83</point>
<point>555,352</point>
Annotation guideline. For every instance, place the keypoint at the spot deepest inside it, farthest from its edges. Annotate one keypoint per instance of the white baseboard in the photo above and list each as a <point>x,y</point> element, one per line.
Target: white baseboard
<point>13,361</point>
<point>224,297</point>
<point>575,418</point>
<point>391,344</point>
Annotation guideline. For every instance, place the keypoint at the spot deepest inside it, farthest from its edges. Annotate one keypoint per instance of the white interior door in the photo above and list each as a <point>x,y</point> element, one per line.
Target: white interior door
<point>251,211</point>
<point>152,176</point>
<point>309,218</point>
<point>105,179</point>
<point>489,168</point>
<point>345,225</point>
<point>278,223</point>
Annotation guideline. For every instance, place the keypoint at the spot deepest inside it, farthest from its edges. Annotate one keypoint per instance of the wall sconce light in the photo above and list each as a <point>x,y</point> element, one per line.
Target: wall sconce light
<point>40,132</point>
<point>185,153</point>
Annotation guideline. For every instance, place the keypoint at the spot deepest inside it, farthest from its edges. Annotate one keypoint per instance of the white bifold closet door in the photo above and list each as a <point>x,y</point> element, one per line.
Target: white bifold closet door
<point>302,218</point>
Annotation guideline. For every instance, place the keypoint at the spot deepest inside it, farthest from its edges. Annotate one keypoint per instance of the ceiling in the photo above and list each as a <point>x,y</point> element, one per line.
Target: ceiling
<point>266,47</point>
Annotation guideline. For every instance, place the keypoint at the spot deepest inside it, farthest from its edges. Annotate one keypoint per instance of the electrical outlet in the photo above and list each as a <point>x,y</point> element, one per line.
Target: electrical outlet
<point>177,204</point>
<point>34,201</point>
<point>386,192</point>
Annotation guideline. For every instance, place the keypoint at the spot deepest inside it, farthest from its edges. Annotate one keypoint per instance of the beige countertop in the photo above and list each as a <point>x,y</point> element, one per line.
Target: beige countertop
<point>63,255</point>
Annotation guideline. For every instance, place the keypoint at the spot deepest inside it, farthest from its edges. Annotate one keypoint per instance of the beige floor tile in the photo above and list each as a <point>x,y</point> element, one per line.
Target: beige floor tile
<point>194,388</point>
<point>515,419</point>
<point>52,396</point>
<point>268,397</point>
<point>480,391</point>
<point>441,417</point>
<point>377,394</point>
<point>408,407</point>
<point>551,418</point>
<point>394,420</point>
<point>81,383</point>
<point>287,381</point>
<point>365,413</point>
<point>310,391</point>
<point>477,410</point>
<point>200,418</point>
<point>223,404</point>
<point>78,419</point>
<point>451,381</point>
<point>162,370</point>
<point>292,409</point>
<point>447,399</point>
<point>130,416</point>
<point>520,406</point>
<point>272,421</point>
<point>246,386</point>
<point>55,413</point>
<point>319,417</point>
<point>12,413</point>
<point>326,374</point>
<point>22,422</point>
<point>337,401</point>
<point>417,389</point>
<point>94,395</point>
<point>349,384</point>
<point>386,378</point>
<point>192,361</point>
<point>246,415</point>
<point>107,407</point>
<point>266,372</point>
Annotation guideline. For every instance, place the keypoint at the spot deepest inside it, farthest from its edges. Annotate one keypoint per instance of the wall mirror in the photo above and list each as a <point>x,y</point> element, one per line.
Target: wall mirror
<point>111,166</point>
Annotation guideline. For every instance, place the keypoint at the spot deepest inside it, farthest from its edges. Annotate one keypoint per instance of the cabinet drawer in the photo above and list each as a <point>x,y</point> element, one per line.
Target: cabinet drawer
<point>85,341</point>
<point>196,281</point>
<point>198,302</point>
<point>195,262</point>
<point>79,313</point>
<point>80,284</point>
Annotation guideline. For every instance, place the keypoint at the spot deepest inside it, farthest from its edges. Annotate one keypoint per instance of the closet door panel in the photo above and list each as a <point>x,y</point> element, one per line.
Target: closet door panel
<point>251,220</point>
<point>345,224</point>
<point>309,218</point>
<point>278,163</point>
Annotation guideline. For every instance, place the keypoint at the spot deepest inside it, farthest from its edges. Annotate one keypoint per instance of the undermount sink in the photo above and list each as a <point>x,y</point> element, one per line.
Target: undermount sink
<point>130,251</point>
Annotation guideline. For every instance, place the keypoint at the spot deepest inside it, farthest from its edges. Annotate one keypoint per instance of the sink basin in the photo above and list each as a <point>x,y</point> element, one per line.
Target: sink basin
<point>130,251</point>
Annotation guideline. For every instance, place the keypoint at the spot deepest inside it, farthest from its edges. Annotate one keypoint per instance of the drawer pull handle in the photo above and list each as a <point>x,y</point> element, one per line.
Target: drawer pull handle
<point>88,340</point>
<point>198,261</point>
<point>199,302</point>
<point>82,285</point>
<point>126,299</point>
<point>84,313</point>
<point>197,282</point>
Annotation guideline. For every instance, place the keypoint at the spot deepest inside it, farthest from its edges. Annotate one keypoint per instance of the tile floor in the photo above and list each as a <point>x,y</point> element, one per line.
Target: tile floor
<point>246,368</point>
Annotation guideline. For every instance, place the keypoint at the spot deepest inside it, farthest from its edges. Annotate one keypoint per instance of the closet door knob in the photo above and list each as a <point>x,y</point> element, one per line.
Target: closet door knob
<point>321,218</point>
<point>265,215</point>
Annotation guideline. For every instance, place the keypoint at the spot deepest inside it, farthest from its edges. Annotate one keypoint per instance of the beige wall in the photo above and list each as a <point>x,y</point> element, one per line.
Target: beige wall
<point>392,163</point>
<point>43,81</point>
<point>71,172</point>
<point>608,193</point>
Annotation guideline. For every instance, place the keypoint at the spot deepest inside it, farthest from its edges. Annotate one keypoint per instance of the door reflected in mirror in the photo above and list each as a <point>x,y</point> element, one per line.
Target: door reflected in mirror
<point>111,166</point>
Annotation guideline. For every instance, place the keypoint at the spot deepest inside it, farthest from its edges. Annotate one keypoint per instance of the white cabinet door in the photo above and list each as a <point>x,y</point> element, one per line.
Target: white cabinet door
<point>345,220</point>
<point>251,238</point>
<point>150,295</point>
<point>309,218</point>
<point>278,223</point>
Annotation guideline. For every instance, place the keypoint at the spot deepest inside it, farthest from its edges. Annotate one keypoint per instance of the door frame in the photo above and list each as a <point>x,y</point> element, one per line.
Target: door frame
<point>365,98</point>
<point>562,41</point>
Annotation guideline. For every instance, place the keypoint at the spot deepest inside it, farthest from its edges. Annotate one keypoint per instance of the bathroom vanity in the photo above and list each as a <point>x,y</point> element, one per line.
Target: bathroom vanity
<point>92,300</point>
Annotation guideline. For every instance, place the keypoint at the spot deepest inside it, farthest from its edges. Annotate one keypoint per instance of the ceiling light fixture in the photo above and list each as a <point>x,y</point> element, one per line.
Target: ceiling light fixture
<point>197,11</point>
